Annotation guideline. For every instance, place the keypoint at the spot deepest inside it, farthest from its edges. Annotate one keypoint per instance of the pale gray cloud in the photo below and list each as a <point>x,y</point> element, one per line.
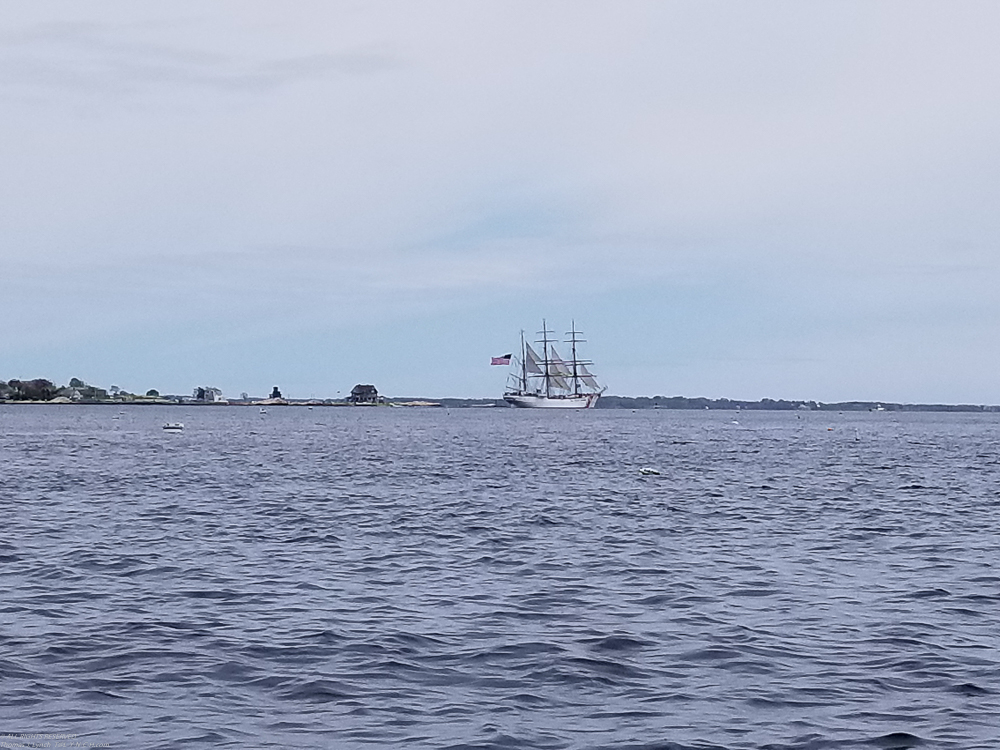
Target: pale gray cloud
<point>90,58</point>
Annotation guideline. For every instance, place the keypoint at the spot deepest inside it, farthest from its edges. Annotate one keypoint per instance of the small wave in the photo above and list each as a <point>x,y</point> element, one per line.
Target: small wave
<point>897,741</point>
<point>318,691</point>
<point>617,643</point>
<point>967,688</point>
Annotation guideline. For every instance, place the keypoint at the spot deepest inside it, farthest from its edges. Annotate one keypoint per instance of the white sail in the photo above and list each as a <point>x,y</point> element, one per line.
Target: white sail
<point>587,378</point>
<point>558,381</point>
<point>531,361</point>
<point>557,367</point>
<point>558,372</point>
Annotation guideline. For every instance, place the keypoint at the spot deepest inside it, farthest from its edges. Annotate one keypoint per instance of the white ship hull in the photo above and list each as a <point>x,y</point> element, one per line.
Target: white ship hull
<point>581,401</point>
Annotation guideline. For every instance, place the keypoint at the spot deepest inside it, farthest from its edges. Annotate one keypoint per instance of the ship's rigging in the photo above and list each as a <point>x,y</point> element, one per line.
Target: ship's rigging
<point>547,380</point>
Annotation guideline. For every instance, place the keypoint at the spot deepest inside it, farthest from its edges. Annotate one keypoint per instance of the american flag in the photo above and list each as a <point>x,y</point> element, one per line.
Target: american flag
<point>504,360</point>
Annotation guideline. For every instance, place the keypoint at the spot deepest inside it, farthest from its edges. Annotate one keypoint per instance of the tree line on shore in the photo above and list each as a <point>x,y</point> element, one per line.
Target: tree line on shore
<point>41,389</point>
<point>38,389</point>
<point>770,404</point>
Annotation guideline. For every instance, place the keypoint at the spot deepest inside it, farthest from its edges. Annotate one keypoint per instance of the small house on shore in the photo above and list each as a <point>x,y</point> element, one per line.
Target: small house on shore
<point>208,395</point>
<point>364,394</point>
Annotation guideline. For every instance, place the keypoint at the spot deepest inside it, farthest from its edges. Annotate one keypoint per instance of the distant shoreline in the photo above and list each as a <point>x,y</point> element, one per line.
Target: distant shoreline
<point>676,403</point>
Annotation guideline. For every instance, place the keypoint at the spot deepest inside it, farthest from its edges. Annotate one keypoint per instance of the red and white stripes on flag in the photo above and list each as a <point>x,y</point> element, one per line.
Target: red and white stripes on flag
<point>504,360</point>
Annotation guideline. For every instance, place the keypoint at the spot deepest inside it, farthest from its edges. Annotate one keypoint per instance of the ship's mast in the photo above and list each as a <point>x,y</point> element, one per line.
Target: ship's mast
<point>578,364</point>
<point>545,349</point>
<point>576,379</point>
<point>524,366</point>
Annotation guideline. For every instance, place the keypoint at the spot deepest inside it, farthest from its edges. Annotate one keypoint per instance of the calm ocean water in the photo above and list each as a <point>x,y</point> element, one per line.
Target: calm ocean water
<point>491,578</point>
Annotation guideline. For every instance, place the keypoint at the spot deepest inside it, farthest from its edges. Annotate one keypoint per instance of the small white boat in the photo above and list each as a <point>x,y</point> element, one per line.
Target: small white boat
<point>174,426</point>
<point>263,410</point>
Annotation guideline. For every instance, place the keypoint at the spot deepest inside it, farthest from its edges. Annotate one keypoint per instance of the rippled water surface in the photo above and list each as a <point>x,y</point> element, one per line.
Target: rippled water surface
<point>492,578</point>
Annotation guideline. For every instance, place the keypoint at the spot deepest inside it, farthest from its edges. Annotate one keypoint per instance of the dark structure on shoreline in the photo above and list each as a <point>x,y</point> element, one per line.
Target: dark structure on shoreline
<point>363,394</point>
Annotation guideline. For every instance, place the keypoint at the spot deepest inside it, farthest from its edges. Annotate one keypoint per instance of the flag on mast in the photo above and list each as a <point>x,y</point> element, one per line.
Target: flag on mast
<point>504,360</point>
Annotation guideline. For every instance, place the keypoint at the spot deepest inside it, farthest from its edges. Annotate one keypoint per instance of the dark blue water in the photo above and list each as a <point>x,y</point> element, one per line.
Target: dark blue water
<point>491,578</point>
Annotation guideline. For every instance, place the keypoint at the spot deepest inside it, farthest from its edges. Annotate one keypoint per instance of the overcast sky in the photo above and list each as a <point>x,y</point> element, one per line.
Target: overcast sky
<point>741,199</point>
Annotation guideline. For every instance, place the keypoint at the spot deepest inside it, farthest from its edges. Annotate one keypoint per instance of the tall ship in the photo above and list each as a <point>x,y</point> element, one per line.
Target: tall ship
<point>548,381</point>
